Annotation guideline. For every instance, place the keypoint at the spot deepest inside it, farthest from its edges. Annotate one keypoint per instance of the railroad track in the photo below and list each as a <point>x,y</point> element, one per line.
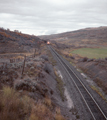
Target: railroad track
<point>94,109</point>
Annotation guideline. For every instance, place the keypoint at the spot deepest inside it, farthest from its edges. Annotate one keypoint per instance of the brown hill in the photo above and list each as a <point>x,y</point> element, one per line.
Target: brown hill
<point>83,37</point>
<point>15,41</point>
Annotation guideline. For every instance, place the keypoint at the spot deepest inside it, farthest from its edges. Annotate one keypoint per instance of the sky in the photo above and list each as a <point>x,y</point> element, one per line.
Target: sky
<point>44,17</point>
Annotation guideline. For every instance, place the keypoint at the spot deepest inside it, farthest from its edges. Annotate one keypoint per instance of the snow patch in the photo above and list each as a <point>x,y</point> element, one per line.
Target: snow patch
<point>59,74</point>
<point>87,79</point>
<point>69,101</point>
<point>84,76</point>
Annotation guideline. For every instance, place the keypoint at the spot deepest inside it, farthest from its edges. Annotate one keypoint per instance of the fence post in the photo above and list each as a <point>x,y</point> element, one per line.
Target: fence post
<point>23,66</point>
<point>34,52</point>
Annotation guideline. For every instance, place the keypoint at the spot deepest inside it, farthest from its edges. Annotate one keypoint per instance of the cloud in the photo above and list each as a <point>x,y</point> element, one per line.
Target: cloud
<point>52,16</point>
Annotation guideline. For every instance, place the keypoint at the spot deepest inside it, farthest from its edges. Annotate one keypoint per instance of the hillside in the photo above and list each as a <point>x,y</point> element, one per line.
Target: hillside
<point>15,41</point>
<point>94,37</point>
<point>29,80</point>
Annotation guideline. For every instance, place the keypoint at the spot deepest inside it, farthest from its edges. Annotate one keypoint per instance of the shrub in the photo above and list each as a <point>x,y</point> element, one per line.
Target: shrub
<point>48,68</point>
<point>60,85</point>
<point>12,106</point>
<point>45,57</point>
<point>26,84</point>
<point>89,60</point>
<point>101,84</point>
<point>58,115</point>
<point>84,59</point>
<point>42,113</point>
<point>106,58</point>
<point>47,102</point>
<point>7,76</point>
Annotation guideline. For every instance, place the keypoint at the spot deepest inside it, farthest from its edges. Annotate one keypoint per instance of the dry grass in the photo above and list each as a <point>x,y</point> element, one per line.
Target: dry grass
<point>51,59</point>
<point>47,102</point>
<point>32,73</point>
<point>41,112</point>
<point>58,115</point>
<point>101,84</point>
<point>98,91</point>
<point>14,106</point>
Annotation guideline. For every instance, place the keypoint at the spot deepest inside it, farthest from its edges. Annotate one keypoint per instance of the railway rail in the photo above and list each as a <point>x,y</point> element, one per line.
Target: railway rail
<point>94,109</point>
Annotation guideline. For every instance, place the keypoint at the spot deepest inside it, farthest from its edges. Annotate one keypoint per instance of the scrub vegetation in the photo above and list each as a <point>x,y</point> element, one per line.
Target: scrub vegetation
<point>60,85</point>
<point>15,106</point>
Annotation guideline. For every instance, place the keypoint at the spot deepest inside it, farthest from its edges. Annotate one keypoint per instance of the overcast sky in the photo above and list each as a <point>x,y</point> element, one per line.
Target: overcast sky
<point>40,17</point>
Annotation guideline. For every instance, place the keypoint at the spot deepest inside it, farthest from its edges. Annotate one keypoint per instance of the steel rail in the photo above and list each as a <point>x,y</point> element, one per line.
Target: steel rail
<point>84,99</point>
